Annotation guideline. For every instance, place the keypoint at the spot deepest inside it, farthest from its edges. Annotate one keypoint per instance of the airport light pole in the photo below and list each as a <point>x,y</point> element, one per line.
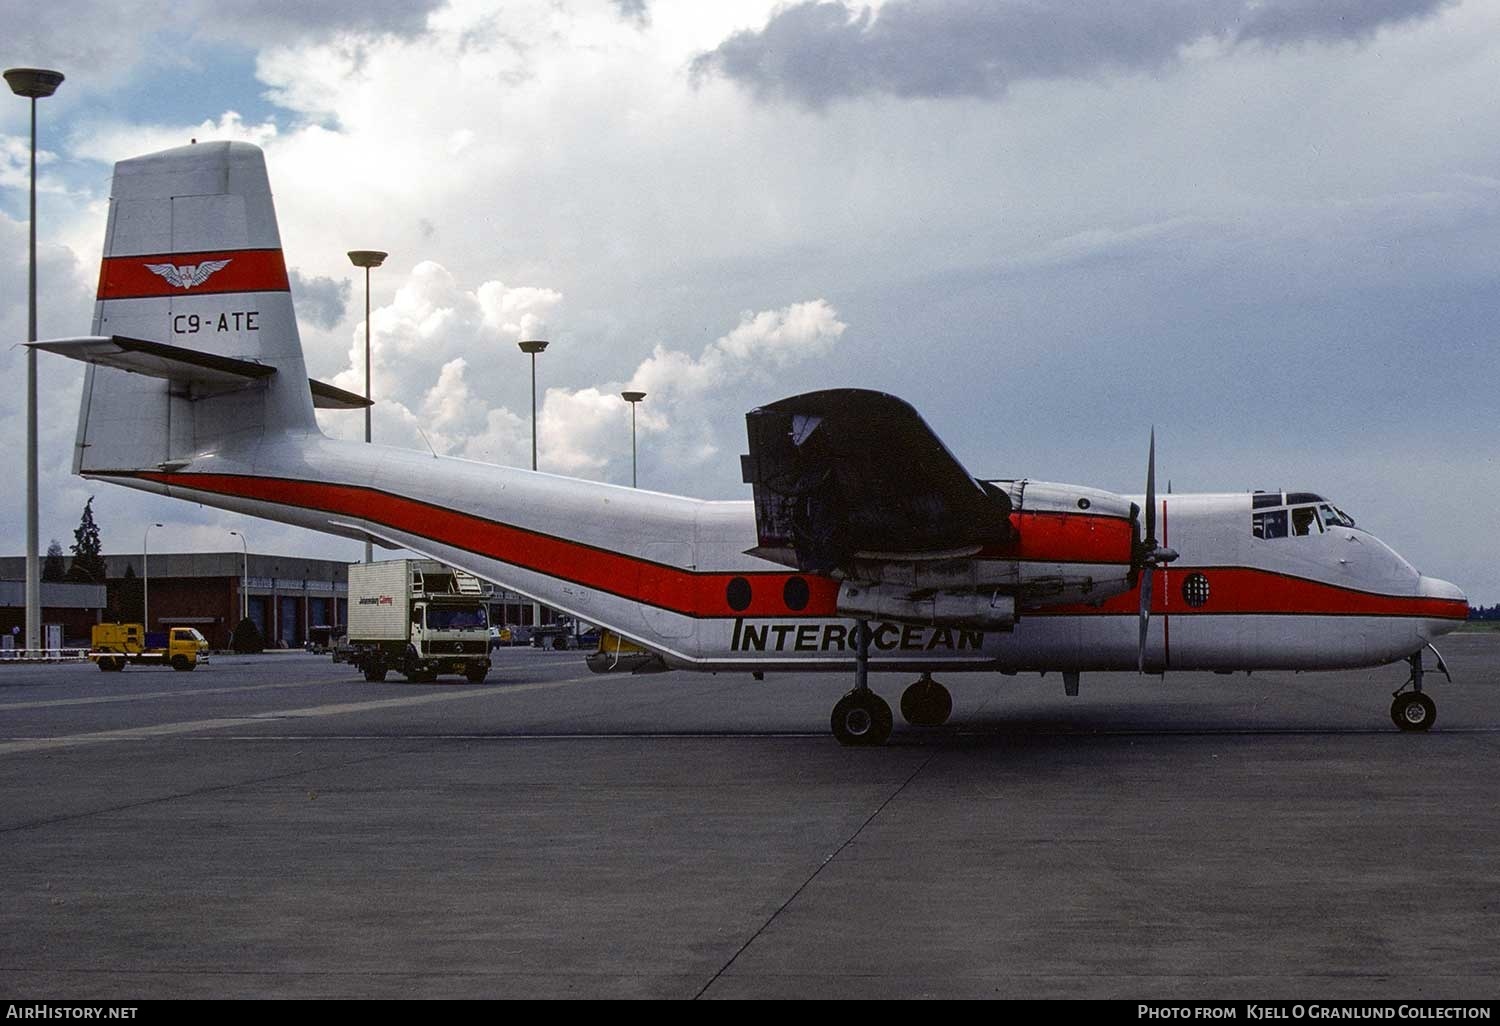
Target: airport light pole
<point>146,581</point>
<point>632,398</point>
<point>532,347</point>
<point>33,84</point>
<point>367,258</point>
<point>244,577</point>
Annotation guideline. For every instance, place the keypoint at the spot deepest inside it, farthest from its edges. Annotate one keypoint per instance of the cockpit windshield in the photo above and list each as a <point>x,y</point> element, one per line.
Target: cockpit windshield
<point>1294,515</point>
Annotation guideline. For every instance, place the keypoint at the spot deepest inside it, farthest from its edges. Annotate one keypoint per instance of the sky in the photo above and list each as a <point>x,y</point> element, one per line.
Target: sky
<point>1269,228</point>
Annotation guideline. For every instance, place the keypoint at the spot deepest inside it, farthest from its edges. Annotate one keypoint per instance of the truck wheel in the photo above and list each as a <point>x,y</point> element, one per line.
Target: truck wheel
<point>181,663</point>
<point>476,674</point>
<point>560,643</point>
<point>374,674</point>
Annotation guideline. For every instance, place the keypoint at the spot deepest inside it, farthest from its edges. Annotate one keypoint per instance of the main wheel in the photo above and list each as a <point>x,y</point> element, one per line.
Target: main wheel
<point>1413,710</point>
<point>926,703</point>
<point>861,718</point>
<point>374,674</point>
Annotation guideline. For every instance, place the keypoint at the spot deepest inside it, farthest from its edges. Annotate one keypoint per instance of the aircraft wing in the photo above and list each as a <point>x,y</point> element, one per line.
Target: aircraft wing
<point>849,472</point>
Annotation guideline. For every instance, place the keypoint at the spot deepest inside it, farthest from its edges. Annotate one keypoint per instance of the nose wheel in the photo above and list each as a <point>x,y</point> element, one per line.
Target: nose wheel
<point>926,703</point>
<point>1413,710</point>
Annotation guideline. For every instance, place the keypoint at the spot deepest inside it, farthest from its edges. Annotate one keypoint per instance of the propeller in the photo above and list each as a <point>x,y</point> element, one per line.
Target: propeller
<point>1149,554</point>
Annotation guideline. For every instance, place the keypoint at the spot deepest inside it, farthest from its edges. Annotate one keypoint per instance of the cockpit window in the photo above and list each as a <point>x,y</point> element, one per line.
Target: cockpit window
<point>1270,524</point>
<point>1305,521</point>
<point>1333,516</point>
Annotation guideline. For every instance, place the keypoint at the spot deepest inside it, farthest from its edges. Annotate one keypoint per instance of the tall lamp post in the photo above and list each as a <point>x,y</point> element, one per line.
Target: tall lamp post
<point>531,347</point>
<point>33,84</point>
<point>632,398</point>
<point>146,580</point>
<point>244,577</point>
<point>367,258</point>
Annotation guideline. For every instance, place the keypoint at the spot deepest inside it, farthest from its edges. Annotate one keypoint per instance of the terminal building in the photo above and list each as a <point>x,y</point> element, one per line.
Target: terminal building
<point>285,596</point>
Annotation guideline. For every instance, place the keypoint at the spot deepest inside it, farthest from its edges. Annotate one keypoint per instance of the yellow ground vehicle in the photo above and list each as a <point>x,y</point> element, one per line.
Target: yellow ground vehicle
<point>116,644</point>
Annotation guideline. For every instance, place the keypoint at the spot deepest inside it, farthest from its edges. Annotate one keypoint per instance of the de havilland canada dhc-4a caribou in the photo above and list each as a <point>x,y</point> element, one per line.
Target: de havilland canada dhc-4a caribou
<point>867,546</point>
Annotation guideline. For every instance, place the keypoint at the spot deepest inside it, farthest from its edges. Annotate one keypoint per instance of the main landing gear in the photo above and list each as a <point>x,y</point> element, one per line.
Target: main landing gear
<point>861,717</point>
<point>926,703</point>
<point>1413,710</point>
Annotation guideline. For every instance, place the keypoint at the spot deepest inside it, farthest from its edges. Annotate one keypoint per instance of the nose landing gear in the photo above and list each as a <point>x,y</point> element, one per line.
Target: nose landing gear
<point>1413,710</point>
<point>926,703</point>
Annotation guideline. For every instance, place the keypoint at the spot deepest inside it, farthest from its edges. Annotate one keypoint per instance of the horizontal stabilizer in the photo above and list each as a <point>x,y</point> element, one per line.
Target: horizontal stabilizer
<point>331,397</point>
<point>158,360</point>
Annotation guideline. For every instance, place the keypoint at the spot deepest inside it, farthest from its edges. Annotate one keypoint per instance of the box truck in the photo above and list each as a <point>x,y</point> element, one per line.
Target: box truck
<point>419,618</point>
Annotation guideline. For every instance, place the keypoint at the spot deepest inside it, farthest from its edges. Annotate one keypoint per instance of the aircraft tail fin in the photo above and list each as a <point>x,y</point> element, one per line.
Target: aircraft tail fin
<point>195,345</point>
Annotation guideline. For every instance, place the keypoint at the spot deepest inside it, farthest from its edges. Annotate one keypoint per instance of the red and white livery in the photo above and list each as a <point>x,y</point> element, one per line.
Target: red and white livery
<point>866,546</point>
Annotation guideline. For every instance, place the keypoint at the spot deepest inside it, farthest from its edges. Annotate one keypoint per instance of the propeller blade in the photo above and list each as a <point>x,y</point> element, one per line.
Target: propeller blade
<point>1146,572</point>
<point>1149,549</point>
<point>1151,491</point>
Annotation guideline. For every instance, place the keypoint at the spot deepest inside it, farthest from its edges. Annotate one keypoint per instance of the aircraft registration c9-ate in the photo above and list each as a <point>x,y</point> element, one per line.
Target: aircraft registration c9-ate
<point>867,545</point>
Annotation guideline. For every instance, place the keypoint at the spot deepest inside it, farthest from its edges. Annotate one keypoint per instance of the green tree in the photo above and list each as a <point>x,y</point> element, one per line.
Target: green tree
<point>247,637</point>
<point>88,564</point>
<point>53,567</point>
<point>129,597</point>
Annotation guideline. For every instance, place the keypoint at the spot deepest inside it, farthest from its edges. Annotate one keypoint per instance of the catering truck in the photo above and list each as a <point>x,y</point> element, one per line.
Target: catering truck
<point>117,645</point>
<point>418,618</point>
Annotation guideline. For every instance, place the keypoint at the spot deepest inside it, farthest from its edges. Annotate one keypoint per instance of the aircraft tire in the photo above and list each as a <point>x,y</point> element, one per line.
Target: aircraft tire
<point>861,718</point>
<point>926,704</point>
<point>1413,711</point>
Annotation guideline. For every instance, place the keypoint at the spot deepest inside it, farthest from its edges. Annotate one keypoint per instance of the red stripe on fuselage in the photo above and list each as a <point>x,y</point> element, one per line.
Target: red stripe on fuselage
<point>1239,590</point>
<point>704,594</point>
<point>248,270</point>
<point>639,580</point>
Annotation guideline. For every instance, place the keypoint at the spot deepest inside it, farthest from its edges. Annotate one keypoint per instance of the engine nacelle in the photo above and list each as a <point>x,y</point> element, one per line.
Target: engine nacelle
<point>976,610</point>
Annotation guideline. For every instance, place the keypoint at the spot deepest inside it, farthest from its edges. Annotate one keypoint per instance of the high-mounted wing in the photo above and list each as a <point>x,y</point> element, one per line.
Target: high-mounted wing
<point>850,472</point>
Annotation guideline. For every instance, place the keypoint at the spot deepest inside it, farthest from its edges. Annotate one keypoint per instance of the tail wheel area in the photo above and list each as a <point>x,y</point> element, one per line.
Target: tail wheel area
<point>926,703</point>
<point>1413,711</point>
<point>862,718</point>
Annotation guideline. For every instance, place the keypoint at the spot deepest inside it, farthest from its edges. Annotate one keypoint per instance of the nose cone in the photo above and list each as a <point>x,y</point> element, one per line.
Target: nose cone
<point>1432,587</point>
<point>1447,607</point>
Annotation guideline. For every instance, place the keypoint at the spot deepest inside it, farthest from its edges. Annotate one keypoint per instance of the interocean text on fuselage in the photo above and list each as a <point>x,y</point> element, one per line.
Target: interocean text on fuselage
<point>762,636</point>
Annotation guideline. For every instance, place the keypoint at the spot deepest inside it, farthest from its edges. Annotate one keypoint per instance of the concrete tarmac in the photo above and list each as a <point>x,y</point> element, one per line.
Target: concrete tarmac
<point>274,826</point>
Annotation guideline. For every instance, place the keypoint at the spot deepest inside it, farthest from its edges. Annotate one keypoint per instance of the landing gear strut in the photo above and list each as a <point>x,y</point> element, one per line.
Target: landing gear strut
<point>861,717</point>
<point>1413,710</point>
<point>926,703</point>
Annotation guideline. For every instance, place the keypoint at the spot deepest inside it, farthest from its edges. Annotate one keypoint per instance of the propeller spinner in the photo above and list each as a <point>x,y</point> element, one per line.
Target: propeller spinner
<point>1149,554</point>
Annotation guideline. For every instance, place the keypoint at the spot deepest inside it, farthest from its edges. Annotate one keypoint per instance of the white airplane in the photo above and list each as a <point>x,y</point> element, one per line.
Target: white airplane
<point>867,546</point>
